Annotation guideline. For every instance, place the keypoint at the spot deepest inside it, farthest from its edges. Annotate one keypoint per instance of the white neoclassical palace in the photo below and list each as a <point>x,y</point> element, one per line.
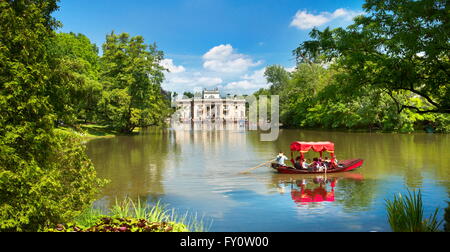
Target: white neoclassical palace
<point>209,106</point>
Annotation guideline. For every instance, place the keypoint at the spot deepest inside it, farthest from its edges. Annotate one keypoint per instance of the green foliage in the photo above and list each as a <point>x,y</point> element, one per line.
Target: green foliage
<point>73,87</point>
<point>131,75</point>
<point>388,71</point>
<point>131,216</point>
<point>405,214</point>
<point>188,94</point>
<point>319,97</point>
<point>398,46</point>
<point>277,76</point>
<point>155,214</point>
<point>45,175</point>
<point>122,225</point>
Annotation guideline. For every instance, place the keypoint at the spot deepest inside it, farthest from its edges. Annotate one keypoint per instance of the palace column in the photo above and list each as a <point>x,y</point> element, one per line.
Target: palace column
<point>216,110</point>
<point>210,111</point>
<point>204,111</point>
<point>195,111</point>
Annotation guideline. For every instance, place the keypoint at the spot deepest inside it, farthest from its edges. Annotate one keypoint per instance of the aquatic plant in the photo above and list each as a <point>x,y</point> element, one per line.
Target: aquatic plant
<point>133,216</point>
<point>122,225</point>
<point>406,214</point>
<point>447,218</point>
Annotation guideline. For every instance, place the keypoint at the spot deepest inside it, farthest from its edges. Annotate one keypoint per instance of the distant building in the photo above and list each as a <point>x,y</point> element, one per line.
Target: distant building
<point>210,106</point>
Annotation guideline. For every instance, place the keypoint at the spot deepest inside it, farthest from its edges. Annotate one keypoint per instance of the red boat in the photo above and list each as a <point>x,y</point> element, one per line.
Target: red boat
<point>304,147</point>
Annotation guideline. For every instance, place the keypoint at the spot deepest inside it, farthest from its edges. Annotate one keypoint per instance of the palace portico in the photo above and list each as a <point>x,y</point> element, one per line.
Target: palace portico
<point>209,106</point>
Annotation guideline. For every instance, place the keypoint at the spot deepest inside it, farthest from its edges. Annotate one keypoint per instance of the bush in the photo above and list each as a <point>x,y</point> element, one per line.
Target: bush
<point>35,195</point>
<point>45,175</point>
<point>122,225</point>
<point>130,216</point>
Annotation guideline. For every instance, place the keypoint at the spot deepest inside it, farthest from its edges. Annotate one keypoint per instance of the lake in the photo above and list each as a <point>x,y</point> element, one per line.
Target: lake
<point>197,170</point>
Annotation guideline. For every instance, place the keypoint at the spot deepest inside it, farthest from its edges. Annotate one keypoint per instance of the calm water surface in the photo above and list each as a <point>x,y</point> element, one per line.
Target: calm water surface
<point>198,171</point>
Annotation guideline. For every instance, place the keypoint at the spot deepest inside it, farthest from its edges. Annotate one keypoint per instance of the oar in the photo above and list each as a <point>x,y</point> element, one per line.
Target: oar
<point>256,167</point>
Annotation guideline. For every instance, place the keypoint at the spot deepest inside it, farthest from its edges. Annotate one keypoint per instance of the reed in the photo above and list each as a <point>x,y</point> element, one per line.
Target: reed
<point>447,218</point>
<point>406,214</point>
<point>157,213</point>
<point>88,217</point>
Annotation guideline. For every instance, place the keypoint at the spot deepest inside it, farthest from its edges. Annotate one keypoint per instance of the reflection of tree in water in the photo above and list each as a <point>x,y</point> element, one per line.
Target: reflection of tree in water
<point>356,195</point>
<point>134,164</point>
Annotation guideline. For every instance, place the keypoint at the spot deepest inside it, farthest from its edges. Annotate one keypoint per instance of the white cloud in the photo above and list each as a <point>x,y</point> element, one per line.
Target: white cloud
<point>244,84</point>
<point>209,81</point>
<point>169,65</point>
<point>224,59</point>
<point>304,20</point>
<point>178,79</point>
<point>248,82</point>
<point>222,67</point>
<point>189,80</point>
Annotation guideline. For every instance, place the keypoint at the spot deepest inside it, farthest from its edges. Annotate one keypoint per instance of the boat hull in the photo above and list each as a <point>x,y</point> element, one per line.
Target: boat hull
<point>347,165</point>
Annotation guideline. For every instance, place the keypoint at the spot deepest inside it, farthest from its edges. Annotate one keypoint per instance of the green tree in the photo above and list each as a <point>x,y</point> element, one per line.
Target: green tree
<point>188,94</point>
<point>277,76</point>
<point>401,47</point>
<point>74,90</point>
<point>45,175</point>
<point>132,77</point>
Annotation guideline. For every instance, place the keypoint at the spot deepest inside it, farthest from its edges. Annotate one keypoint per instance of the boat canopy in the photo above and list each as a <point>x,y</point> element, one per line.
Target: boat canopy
<point>304,147</point>
<point>315,146</point>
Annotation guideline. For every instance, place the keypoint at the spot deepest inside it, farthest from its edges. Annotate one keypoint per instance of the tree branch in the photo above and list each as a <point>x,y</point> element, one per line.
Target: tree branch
<point>446,111</point>
<point>421,94</point>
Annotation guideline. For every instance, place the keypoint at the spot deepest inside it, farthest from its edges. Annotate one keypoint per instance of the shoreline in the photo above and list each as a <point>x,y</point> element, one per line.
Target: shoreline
<point>90,132</point>
<point>378,131</point>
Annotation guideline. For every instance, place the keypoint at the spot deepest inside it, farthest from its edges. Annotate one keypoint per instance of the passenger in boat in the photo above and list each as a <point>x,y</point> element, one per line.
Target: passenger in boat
<point>315,164</point>
<point>321,167</point>
<point>327,163</point>
<point>306,164</point>
<point>337,163</point>
<point>281,158</point>
<point>298,163</point>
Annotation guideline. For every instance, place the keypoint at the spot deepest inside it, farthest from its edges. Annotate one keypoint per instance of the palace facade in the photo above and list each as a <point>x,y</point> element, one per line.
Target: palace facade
<point>210,106</point>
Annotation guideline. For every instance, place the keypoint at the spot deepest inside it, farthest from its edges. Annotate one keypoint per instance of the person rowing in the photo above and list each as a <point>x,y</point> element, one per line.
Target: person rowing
<point>281,158</point>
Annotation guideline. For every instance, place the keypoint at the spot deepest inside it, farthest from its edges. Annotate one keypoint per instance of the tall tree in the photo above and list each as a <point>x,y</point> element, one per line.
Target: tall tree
<point>132,77</point>
<point>277,76</point>
<point>74,86</point>
<point>188,94</point>
<point>401,47</point>
<point>45,175</point>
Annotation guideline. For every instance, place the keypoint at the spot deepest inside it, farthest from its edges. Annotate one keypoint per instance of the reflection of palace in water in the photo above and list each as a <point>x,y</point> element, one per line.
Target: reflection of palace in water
<point>209,134</point>
<point>208,126</point>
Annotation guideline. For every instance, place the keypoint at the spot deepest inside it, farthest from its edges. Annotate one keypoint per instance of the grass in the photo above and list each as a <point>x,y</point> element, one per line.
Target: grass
<point>406,214</point>
<point>95,131</point>
<point>136,210</point>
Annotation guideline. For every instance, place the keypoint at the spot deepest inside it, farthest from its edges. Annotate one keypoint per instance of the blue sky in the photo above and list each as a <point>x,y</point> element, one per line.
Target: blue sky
<point>211,43</point>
